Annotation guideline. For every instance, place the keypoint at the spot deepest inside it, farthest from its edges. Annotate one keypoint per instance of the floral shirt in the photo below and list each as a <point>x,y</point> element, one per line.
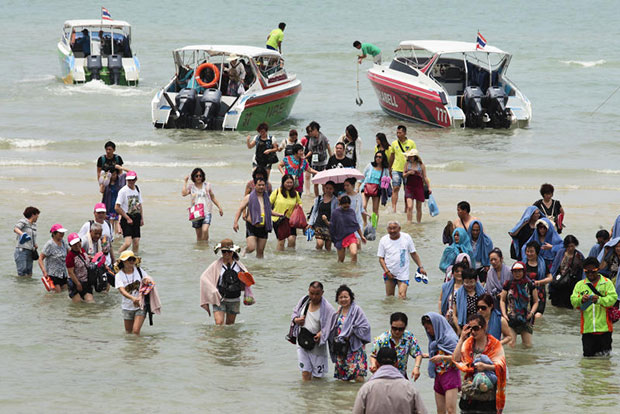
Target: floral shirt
<point>408,346</point>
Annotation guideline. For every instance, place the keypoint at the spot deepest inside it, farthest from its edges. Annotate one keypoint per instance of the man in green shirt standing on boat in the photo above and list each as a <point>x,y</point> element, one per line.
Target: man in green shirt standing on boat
<point>368,49</point>
<point>274,39</point>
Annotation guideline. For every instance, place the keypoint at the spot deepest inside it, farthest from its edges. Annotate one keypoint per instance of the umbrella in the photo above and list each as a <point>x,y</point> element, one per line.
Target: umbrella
<point>337,175</point>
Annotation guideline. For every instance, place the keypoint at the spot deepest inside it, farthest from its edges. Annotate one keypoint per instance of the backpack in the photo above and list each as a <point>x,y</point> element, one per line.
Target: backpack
<point>104,160</point>
<point>230,286</point>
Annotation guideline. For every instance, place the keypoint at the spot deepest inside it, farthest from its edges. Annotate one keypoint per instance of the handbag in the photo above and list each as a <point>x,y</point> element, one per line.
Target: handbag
<point>298,218</point>
<point>34,254</point>
<point>613,313</point>
<point>283,228</point>
<point>371,190</point>
<point>196,212</point>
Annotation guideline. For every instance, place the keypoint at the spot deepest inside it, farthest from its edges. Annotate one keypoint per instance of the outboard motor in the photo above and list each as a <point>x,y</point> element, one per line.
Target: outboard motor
<point>210,102</point>
<point>93,64</point>
<point>472,106</point>
<point>495,102</point>
<point>186,102</point>
<point>115,64</point>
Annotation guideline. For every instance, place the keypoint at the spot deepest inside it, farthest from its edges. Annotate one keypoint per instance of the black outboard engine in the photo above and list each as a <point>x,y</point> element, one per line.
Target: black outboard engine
<point>472,106</point>
<point>115,64</point>
<point>185,102</point>
<point>210,103</point>
<point>93,64</point>
<point>495,102</point>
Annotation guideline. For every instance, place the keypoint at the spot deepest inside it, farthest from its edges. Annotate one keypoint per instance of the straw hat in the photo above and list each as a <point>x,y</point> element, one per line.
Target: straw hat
<point>412,153</point>
<point>227,245</point>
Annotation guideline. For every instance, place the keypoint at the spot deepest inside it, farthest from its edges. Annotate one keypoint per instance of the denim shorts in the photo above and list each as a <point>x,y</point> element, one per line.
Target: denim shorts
<point>23,261</point>
<point>397,178</point>
<point>231,307</point>
<point>130,315</point>
<point>198,223</point>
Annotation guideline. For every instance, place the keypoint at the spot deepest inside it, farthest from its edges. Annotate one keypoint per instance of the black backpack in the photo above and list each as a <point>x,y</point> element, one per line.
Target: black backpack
<point>230,286</point>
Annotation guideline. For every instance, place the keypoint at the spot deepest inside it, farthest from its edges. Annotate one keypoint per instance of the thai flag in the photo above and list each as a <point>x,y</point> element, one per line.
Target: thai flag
<point>481,42</point>
<point>105,14</point>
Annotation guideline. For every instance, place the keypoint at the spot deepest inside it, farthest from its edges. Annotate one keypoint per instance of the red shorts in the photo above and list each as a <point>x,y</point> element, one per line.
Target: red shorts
<point>349,240</point>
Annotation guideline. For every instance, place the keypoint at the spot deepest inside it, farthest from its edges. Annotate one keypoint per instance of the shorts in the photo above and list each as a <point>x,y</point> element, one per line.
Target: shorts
<point>596,344</point>
<point>271,47</point>
<point>230,307</point>
<point>23,261</point>
<point>59,281</point>
<point>447,381</point>
<point>130,315</point>
<point>86,288</point>
<point>319,167</point>
<point>377,59</point>
<point>520,326</point>
<point>198,223</point>
<point>255,231</point>
<point>322,233</point>
<point>385,279</point>
<point>131,230</point>
<point>349,240</point>
<point>397,178</point>
<point>311,362</point>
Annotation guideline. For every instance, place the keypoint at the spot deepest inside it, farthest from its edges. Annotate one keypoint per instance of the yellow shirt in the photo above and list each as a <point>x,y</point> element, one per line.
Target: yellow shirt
<point>399,158</point>
<point>276,35</point>
<point>281,204</point>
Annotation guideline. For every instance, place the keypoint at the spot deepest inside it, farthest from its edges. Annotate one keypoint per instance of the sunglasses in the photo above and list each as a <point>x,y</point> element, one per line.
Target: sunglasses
<point>590,272</point>
<point>198,175</point>
<point>482,307</point>
<point>131,259</point>
<point>475,328</point>
<point>398,329</point>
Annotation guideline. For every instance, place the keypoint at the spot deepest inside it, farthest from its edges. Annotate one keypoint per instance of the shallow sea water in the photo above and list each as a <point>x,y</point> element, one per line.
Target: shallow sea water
<point>59,357</point>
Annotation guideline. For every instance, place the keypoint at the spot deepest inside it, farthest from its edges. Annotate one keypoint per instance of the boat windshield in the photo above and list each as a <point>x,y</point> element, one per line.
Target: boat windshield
<point>415,58</point>
<point>104,40</point>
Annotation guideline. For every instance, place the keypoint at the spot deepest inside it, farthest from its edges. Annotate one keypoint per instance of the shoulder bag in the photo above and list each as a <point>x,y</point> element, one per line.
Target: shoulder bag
<point>612,312</point>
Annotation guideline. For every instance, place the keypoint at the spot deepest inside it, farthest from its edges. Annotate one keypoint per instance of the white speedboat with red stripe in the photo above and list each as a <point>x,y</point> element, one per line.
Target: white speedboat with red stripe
<point>225,87</point>
<point>450,84</point>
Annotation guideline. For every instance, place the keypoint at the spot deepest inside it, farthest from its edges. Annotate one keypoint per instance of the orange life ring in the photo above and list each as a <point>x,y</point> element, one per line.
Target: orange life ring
<point>216,75</point>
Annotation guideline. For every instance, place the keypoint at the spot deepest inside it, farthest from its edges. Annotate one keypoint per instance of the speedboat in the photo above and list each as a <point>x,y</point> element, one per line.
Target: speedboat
<point>450,84</point>
<point>223,87</point>
<point>98,49</point>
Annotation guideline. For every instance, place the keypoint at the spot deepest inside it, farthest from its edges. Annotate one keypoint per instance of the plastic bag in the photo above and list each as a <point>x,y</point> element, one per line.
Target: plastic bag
<point>432,206</point>
<point>298,218</point>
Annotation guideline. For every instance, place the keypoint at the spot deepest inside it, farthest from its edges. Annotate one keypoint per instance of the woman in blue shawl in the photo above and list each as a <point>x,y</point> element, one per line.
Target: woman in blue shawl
<point>460,244</point>
<point>548,238</point>
<point>481,244</point>
<point>609,257</point>
<point>441,344</point>
<point>523,230</point>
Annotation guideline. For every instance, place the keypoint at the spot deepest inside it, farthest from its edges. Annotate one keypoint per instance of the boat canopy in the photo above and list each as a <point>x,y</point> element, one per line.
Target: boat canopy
<point>117,24</point>
<point>216,50</point>
<point>445,46</point>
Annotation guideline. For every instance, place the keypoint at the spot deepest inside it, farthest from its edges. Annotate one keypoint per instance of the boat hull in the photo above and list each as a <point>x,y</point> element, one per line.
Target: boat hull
<point>410,102</point>
<point>272,109</point>
<point>73,71</point>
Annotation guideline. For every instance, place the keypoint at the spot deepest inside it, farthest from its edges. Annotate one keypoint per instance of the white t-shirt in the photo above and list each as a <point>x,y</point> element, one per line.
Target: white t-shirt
<point>122,279</point>
<point>396,254</point>
<point>106,230</point>
<point>313,320</point>
<point>201,196</point>
<point>129,200</point>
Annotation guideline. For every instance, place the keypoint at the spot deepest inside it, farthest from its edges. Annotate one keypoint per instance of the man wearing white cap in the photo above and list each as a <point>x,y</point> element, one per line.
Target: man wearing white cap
<point>107,235</point>
<point>76,261</point>
<point>129,207</point>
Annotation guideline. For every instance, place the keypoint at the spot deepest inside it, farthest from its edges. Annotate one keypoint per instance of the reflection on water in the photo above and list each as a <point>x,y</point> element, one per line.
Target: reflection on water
<point>229,346</point>
<point>597,383</point>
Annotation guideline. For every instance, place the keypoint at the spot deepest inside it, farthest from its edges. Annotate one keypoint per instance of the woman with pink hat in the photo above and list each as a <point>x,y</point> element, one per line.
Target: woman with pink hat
<point>52,260</point>
<point>77,265</point>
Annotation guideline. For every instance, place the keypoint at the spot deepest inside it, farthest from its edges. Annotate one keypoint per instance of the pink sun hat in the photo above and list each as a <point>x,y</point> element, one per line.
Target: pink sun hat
<point>58,227</point>
<point>100,208</point>
<point>73,239</point>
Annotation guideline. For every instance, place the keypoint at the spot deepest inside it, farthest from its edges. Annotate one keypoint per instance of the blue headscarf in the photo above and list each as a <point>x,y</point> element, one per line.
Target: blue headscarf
<point>616,230</point>
<point>461,302</point>
<point>552,237</point>
<point>445,339</point>
<point>446,289</point>
<point>603,256</point>
<point>463,246</point>
<point>494,327</point>
<point>557,261</point>
<point>484,245</point>
<point>525,218</point>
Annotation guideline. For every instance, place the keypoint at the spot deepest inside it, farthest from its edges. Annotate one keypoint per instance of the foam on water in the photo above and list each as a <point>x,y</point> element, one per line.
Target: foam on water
<point>38,79</point>
<point>448,166</point>
<point>176,164</point>
<point>100,88</point>
<point>39,163</point>
<point>584,63</point>
<point>23,143</point>
<point>141,143</point>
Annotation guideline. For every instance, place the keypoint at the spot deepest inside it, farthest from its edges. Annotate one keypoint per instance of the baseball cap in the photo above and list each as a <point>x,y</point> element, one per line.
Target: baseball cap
<point>73,239</point>
<point>126,255</point>
<point>131,175</point>
<point>517,266</point>
<point>386,356</point>
<point>100,208</point>
<point>58,227</point>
